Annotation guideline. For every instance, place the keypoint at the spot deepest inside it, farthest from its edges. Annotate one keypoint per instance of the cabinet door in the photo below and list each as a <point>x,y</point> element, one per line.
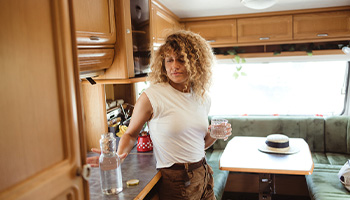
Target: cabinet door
<point>94,21</point>
<point>265,29</point>
<point>162,25</point>
<point>95,59</point>
<point>217,32</point>
<point>322,25</point>
<point>39,106</point>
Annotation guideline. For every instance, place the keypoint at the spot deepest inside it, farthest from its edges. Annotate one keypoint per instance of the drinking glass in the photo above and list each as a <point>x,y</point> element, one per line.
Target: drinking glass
<point>218,128</point>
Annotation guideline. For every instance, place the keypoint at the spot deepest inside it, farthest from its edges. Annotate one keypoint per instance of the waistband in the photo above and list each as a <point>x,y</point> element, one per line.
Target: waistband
<point>190,166</point>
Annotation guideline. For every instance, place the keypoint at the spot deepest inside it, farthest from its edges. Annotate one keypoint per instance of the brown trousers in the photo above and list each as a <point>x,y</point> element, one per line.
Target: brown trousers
<point>187,185</point>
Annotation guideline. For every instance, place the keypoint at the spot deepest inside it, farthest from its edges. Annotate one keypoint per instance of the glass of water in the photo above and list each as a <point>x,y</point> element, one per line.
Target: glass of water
<point>218,128</point>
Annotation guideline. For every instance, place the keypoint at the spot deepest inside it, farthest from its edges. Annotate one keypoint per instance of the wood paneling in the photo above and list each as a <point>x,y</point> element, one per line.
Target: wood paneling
<point>39,140</point>
<point>262,29</point>
<point>95,59</point>
<point>242,182</point>
<point>94,21</point>
<point>217,32</point>
<point>163,22</point>
<point>123,64</point>
<point>95,114</point>
<point>284,184</point>
<point>322,25</point>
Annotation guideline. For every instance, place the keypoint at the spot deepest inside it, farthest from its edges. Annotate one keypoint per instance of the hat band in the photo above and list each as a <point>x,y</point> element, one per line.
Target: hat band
<point>277,144</point>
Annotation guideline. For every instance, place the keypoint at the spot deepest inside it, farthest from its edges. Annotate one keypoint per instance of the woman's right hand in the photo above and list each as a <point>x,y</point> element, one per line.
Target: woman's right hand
<point>94,161</point>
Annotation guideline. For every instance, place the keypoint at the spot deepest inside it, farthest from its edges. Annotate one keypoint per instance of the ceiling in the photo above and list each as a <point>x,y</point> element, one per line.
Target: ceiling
<point>205,8</point>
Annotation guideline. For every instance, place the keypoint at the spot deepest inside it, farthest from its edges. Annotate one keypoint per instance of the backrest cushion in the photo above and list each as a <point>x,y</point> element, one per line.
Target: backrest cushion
<point>309,128</point>
<point>337,137</point>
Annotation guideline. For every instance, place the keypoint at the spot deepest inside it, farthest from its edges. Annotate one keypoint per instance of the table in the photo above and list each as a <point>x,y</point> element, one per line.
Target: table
<point>242,155</point>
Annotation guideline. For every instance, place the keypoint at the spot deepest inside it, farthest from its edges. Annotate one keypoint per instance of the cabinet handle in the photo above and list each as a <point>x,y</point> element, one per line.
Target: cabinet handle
<point>264,38</point>
<point>322,35</point>
<point>94,38</point>
<point>211,41</point>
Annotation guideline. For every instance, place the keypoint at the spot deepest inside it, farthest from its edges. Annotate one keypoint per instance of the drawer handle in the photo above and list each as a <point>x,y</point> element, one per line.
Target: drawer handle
<point>94,38</point>
<point>322,35</point>
<point>264,38</point>
<point>211,41</point>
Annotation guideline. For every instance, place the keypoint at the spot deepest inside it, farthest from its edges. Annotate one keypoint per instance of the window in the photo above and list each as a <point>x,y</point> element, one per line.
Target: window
<point>283,88</point>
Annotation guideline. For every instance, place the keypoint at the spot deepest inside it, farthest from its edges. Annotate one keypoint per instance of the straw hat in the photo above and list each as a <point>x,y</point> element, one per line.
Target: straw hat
<point>278,143</point>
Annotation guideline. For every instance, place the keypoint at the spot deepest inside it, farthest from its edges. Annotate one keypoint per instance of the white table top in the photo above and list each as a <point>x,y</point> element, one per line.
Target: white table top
<point>242,155</point>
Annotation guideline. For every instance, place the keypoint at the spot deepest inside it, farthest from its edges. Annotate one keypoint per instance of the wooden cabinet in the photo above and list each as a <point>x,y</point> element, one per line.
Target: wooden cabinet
<point>94,22</point>
<point>265,29</point>
<point>94,59</point>
<point>162,23</point>
<point>217,32</point>
<point>123,63</point>
<point>95,34</point>
<point>42,143</point>
<point>322,25</point>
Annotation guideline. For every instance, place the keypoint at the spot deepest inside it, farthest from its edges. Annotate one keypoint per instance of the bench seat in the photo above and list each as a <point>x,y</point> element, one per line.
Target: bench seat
<point>220,176</point>
<point>328,139</point>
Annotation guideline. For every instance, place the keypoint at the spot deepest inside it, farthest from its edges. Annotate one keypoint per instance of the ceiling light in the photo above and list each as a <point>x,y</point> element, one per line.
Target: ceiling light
<point>346,50</point>
<point>258,4</point>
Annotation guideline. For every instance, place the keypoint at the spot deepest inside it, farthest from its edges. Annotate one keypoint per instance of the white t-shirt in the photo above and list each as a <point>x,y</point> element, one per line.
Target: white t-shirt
<point>178,126</point>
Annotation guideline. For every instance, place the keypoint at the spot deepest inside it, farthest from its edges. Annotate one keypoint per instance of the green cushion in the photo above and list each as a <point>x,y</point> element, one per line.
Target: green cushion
<point>309,128</point>
<point>319,158</point>
<point>324,184</point>
<point>337,158</point>
<point>330,158</point>
<point>220,178</point>
<point>337,136</point>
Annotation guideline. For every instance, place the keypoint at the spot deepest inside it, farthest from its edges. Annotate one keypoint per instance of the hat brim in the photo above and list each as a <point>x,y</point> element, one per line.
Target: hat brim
<point>292,150</point>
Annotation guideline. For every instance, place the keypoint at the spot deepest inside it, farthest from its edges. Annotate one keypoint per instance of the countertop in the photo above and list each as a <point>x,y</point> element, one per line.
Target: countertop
<point>137,165</point>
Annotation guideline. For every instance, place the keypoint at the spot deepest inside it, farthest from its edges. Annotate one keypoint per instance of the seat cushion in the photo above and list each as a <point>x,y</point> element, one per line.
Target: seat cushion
<point>220,176</point>
<point>324,184</point>
<point>220,179</point>
<point>330,158</point>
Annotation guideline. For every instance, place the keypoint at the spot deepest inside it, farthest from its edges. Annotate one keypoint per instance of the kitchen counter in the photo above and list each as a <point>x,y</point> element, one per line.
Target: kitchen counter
<point>136,165</point>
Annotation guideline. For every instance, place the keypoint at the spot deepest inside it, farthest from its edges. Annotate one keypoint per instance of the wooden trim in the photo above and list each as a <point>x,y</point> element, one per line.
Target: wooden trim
<point>102,46</point>
<point>279,42</point>
<point>149,186</point>
<point>268,171</point>
<point>165,9</point>
<point>117,81</point>
<point>271,54</point>
<point>289,12</point>
<point>123,64</point>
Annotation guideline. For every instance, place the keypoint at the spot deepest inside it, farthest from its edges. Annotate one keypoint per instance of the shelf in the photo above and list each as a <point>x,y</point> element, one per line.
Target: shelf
<point>271,54</point>
<point>116,81</point>
<point>298,49</point>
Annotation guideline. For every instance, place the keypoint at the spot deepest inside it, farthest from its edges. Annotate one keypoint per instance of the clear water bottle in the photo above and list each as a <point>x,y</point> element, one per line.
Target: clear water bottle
<point>110,166</point>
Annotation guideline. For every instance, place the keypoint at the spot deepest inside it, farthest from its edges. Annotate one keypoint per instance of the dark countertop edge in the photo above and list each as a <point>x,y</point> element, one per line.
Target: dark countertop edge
<point>149,186</point>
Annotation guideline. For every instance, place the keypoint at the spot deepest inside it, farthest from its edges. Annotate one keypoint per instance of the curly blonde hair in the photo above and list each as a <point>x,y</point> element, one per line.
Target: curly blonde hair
<point>198,57</point>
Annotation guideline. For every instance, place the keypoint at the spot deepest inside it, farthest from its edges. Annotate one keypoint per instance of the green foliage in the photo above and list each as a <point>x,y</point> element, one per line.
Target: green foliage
<point>239,61</point>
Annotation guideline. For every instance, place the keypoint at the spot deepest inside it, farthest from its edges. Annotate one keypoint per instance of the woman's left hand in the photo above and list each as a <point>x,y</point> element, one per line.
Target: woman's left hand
<point>228,131</point>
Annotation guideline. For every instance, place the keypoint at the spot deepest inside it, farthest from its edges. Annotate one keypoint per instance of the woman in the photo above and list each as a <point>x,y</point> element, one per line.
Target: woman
<point>176,107</point>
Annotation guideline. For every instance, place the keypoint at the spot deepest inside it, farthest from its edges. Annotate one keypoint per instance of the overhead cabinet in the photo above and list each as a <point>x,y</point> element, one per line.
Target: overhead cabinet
<point>217,32</point>
<point>95,34</point>
<point>265,29</point>
<point>94,22</point>
<point>163,22</point>
<point>288,27</point>
<point>322,25</point>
